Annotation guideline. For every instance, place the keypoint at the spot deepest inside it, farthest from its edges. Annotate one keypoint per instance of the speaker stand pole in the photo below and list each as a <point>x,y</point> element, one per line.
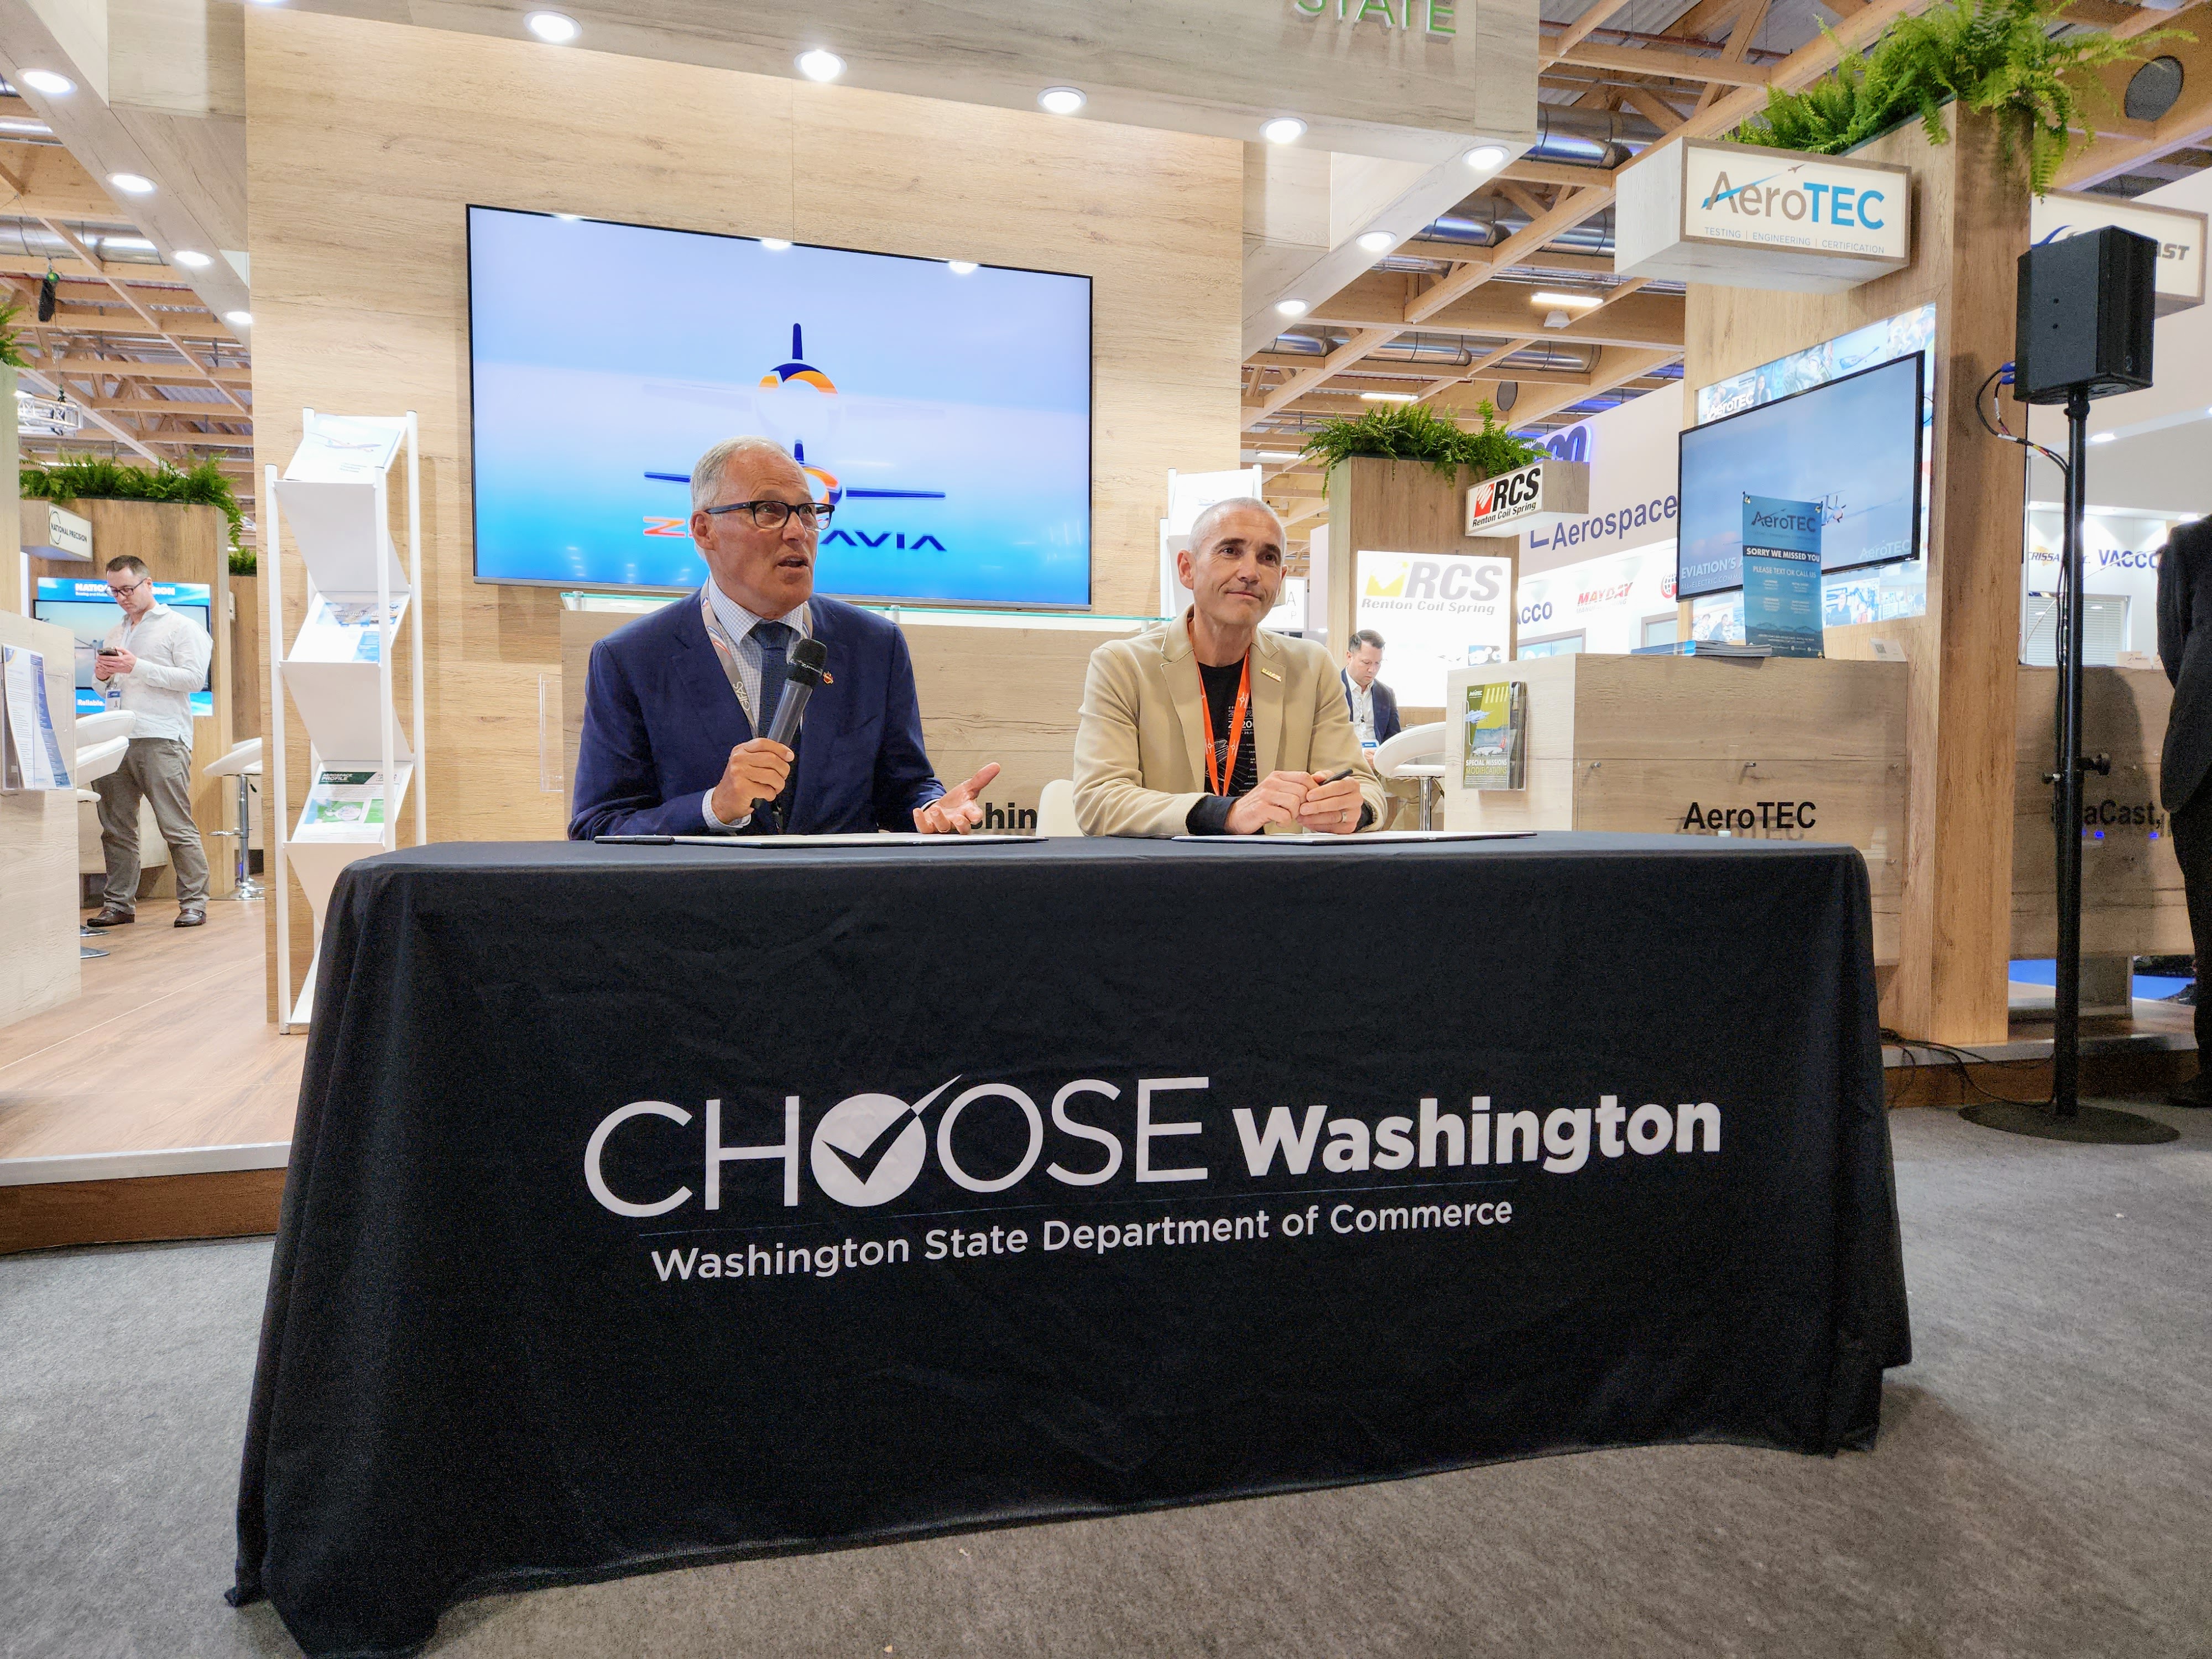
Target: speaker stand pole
<point>2066,1118</point>
<point>2066,1028</point>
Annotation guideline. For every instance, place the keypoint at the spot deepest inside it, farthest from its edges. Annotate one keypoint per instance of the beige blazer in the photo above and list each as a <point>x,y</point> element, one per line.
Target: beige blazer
<point>1140,748</point>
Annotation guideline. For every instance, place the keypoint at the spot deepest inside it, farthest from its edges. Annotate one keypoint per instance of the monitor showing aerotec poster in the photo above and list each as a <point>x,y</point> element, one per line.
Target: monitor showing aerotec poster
<point>1849,449</point>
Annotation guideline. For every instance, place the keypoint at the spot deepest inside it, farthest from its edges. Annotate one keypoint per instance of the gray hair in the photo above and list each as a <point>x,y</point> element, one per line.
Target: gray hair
<point>1203,525</point>
<point>707,471</point>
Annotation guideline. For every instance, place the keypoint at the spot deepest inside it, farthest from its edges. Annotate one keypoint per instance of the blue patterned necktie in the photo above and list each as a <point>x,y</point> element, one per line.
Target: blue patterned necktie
<point>775,639</point>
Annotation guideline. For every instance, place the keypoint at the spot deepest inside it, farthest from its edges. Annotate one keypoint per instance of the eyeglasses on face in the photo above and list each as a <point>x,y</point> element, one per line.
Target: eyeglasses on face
<point>127,589</point>
<point>774,515</point>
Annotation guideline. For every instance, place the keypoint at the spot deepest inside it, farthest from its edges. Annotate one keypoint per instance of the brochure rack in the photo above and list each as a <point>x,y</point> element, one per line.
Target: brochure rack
<point>333,499</point>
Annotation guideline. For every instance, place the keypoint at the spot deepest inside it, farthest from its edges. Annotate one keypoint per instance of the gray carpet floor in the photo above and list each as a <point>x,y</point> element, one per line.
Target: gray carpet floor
<point>2043,1486</point>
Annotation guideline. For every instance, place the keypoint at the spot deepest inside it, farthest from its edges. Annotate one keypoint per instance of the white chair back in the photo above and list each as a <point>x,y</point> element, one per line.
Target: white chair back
<point>95,729</point>
<point>1417,746</point>
<point>1056,809</point>
<point>97,760</point>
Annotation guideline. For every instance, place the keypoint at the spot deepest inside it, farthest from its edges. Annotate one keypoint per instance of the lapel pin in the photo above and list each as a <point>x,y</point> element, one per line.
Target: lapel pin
<point>1271,673</point>
<point>829,679</point>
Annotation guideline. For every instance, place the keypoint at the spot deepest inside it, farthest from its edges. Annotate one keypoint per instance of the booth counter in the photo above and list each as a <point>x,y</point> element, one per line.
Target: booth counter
<point>1782,749</point>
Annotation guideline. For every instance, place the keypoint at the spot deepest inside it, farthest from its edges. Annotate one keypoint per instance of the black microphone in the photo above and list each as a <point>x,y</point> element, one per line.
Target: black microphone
<point>800,676</point>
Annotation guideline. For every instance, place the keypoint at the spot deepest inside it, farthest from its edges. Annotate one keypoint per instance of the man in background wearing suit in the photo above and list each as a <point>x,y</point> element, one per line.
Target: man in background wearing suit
<point>2184,647</point>
<point>677,703</point>
<point>1209,725</point>
<point>1374,706</point>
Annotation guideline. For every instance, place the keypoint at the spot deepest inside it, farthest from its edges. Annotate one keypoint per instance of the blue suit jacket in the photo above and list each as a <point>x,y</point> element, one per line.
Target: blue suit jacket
<point>1386,706</point>
<point>661,720</point>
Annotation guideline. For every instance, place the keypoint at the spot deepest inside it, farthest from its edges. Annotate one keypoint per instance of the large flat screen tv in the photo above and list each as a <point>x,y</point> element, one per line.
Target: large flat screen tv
<point>1848,450</point>
<point>945,409</point>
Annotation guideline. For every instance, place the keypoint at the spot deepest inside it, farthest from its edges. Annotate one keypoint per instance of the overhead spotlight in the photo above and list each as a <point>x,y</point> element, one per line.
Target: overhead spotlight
<point>961,267</point>
<point>131,184</point>
<point>1390,396</point>
<point>1060,100</point>
<point>1291,308</point>
<point>555,28</point>
<point>1378,241</point>
<point>241,318</point>
<point>49,293</point>
<point>818,64</point>
<point>1545,298</point>
<point>190,258</point>
<point>1284,130</point>
<point>774,244</point>
<point>45,80</point>
<point>1557,319</point>
<point>1483,157</point>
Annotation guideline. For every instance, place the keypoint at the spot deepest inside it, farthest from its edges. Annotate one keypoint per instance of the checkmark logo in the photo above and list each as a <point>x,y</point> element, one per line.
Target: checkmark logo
<point>869,1148</point>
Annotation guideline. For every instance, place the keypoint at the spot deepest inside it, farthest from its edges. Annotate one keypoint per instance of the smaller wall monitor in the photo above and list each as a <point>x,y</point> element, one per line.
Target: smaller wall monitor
<point>85,607</point>
<point>1843,458</point>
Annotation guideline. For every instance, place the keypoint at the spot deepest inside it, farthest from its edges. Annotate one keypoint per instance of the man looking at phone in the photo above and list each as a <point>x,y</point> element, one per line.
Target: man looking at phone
<point>678,706</point>
<point>1210,726</point>
<point>151,663</point>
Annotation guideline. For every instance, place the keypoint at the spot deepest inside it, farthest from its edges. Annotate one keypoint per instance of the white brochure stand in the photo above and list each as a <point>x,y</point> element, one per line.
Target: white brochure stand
<point>333,499</point>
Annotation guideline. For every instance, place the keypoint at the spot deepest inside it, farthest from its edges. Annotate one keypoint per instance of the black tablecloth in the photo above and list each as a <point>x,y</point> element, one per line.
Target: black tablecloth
<point>480,1370</point>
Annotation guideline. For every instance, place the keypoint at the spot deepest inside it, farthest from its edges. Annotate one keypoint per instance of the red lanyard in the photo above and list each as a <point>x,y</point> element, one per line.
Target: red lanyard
<point>1218,777</point>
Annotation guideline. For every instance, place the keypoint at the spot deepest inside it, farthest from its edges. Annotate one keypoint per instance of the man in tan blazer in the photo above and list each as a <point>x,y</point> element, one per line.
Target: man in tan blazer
<point>1208,725</point>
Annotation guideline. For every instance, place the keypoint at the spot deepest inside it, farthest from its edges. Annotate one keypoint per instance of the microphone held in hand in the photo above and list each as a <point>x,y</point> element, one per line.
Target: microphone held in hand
<point>800,676</point>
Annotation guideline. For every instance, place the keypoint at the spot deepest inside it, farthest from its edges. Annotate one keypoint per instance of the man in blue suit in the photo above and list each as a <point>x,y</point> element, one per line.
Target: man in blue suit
<point>1374,706</point>
<point>677,703</point>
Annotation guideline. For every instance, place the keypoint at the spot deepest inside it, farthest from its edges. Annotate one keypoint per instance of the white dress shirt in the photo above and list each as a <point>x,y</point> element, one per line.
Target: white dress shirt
<point>172,652</point>
<point>1363,707</point>
<point>739,623</point>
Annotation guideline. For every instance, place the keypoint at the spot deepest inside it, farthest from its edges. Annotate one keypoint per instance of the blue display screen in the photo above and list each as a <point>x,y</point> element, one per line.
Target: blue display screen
<point>1851,448</point>
<point>946,413</point>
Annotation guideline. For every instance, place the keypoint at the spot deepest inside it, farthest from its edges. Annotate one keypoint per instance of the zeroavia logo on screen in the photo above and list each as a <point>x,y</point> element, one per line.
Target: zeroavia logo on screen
<point>800,404</point>
<point>871,1148</point>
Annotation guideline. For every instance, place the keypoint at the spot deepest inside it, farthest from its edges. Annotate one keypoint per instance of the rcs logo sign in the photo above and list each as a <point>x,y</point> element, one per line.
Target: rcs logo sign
<point>1509,496</point>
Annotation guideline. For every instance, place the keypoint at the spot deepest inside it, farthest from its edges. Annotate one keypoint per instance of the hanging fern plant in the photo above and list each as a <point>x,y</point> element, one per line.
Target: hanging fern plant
<point>95,478</point>
<point>1414,432</point>
<point>1998,57</point>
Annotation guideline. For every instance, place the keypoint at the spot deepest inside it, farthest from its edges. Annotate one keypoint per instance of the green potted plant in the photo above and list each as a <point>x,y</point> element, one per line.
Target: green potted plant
<point>95,478</point>
<point>1414,432</point>
<point>1997,57</point>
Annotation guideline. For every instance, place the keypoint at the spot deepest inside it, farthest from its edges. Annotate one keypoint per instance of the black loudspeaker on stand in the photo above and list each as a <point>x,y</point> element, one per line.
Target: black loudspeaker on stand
<point>2086,309</point>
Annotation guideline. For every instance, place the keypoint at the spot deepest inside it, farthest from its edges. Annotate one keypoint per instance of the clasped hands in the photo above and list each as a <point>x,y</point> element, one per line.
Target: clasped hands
<point>758,770</point>
<point>1302,800</point>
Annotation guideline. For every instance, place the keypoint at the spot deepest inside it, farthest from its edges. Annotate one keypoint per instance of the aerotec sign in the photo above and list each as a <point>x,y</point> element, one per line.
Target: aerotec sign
<point>1704,211</point>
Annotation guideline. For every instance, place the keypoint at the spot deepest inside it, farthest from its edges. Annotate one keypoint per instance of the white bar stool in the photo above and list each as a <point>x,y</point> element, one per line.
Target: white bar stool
<point>243,762</point>
<point>1417,752</point>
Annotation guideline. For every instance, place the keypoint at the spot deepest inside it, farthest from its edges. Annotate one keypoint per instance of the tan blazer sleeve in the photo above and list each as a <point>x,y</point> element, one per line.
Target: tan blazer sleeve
<point>1110,797</point>
<point>1336,745</point>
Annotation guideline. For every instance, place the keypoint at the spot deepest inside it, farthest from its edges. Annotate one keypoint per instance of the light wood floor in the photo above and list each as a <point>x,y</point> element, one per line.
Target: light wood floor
<point>168,1047</point>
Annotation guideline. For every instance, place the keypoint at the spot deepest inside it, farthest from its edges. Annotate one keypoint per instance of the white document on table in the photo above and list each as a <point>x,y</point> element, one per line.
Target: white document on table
<point>1312,838</point>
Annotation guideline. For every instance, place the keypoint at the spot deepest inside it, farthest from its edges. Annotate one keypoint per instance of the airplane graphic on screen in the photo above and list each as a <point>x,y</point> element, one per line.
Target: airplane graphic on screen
<point>798,383</point>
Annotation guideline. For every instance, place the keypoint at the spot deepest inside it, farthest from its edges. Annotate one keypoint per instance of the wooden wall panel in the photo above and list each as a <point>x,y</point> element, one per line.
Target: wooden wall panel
<point>366,141</point>
<point>1969,223</point>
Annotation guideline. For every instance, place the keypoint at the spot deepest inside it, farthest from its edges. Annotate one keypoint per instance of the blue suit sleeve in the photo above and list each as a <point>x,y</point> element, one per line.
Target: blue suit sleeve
<point>618,785</point>
<point>904,778</point>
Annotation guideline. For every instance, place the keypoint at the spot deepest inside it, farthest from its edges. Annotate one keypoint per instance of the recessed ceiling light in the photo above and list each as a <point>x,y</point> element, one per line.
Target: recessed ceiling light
<point>1487,156</point>
<point>191,259</point>
<point>1545,297</point>
<point>555,28</point>
<point>1391,397</point>
<point>1291,307</point>
<point>820,65</point>
<point>242,318</point>
<point>774,244</point>
<point>961,267</point>
<point>131,184</point>
<point>1284,130</point>
<point>45,80</point>
<point>2102,437</point>
<point>568,218</point>
<point>1060,100</point>
<point>1379,241</point>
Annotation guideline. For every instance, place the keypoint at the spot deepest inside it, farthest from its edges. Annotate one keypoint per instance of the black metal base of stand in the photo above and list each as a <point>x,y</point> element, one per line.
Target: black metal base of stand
<point>2094,1125</point>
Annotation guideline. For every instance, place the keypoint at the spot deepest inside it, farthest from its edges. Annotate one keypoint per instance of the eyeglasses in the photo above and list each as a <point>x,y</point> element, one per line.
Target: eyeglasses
<point>120,595</point>
<point>774,515</point>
